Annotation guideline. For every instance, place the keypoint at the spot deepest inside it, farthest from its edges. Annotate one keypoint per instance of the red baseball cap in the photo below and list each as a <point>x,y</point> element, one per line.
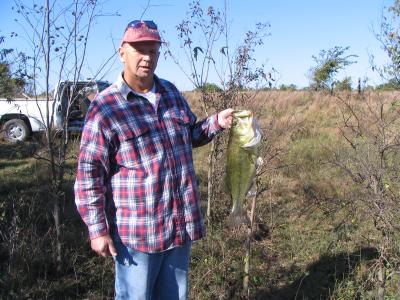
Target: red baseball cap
<point>141,31</point>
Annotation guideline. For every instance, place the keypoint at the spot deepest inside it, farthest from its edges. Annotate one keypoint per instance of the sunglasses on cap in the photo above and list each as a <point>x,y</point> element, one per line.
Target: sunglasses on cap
<point>139,23</point>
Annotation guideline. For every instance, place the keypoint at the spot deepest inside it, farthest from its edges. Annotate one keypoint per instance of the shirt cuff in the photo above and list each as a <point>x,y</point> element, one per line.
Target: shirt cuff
<point>97,230</point>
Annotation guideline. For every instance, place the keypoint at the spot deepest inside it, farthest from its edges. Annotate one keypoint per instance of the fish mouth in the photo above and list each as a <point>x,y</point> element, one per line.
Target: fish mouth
<point>242,113</point>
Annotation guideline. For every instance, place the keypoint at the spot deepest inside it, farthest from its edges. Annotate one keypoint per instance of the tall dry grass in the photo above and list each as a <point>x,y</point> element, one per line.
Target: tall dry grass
<point>308,241</point>
<point>305,218</point>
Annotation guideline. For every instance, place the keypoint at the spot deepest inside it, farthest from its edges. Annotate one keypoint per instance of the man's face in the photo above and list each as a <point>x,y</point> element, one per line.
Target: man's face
<point>140,59</point>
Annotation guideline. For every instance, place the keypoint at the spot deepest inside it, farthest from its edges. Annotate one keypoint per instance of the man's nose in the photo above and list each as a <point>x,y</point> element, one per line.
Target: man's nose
<point>146,56</point>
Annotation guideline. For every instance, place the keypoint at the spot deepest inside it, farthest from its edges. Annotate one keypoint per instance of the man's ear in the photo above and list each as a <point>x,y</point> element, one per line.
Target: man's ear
<point>121,52</point>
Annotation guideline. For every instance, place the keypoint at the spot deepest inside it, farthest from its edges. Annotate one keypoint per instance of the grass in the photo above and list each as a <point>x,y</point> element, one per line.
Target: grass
<point>308,241</point>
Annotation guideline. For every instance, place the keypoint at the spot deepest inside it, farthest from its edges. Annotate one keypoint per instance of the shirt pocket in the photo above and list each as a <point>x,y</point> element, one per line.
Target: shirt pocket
<point>178,126</point>
<point>138,147</point>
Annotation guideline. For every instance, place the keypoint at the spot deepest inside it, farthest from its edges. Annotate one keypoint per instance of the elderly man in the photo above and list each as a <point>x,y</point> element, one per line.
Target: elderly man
<point>136,188</point>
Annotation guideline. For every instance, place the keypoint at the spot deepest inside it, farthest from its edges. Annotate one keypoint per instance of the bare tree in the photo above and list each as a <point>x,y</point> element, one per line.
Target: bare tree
<point>204,40</point>
<point>209,25</point>
<point>370,157</point>
<point>58,33</point>
<point>204,36</point>
<point>389,37</point>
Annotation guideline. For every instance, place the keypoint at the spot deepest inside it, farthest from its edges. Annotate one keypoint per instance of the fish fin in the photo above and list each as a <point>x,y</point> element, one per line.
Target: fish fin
<point>237,219</point>
<point>252,190</point>
<point>259,161</point>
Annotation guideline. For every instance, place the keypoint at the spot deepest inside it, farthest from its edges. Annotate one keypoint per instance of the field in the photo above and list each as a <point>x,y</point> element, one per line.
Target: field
<point>325,223</point>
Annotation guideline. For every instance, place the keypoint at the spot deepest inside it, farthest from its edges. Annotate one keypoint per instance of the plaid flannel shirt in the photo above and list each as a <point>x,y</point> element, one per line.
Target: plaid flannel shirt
<point>135,178</point>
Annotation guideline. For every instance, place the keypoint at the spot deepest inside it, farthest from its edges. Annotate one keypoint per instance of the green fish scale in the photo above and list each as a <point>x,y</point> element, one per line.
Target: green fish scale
<point>241,165</point>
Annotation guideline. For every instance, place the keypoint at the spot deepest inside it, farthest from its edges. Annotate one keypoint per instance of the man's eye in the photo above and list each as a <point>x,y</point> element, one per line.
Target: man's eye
<point>146,52</point>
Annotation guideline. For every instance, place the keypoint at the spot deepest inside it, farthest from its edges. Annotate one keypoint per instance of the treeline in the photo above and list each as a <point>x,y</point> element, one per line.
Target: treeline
<point>345,85</point>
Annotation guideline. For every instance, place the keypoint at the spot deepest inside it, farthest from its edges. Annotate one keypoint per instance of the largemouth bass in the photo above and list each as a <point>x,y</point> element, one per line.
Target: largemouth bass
<point>244,138</point>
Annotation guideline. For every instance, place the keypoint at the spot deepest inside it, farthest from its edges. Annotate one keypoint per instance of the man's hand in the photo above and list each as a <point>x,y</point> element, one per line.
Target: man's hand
<point>225,118</point>
<point>104,246</point>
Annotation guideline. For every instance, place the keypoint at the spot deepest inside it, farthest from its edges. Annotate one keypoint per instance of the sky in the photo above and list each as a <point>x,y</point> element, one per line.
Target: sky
<point>298,30</point>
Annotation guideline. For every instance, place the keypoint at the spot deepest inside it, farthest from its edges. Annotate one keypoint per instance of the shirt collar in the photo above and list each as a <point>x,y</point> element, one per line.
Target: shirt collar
<point>125,89</point>
<point>122,86</point>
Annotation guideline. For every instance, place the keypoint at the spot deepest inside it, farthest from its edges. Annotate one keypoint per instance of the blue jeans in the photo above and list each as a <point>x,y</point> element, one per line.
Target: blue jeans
<point>152,276</point>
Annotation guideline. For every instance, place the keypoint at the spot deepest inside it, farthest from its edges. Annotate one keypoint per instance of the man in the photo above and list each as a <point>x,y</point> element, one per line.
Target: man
<point>136,188</point>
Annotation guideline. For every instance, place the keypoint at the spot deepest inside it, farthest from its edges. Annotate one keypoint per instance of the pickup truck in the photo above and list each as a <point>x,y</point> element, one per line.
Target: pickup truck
<point>21,117</point>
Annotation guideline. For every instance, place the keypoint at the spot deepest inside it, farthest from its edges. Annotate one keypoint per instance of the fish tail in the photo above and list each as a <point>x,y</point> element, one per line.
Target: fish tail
<point>238,218</point>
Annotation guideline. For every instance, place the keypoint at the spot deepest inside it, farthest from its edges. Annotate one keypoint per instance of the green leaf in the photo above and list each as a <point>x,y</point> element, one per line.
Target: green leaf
<point>196,51</point>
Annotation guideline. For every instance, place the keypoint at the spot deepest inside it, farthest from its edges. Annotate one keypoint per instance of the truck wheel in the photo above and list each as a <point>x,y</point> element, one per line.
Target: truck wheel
<point>15,130</point>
